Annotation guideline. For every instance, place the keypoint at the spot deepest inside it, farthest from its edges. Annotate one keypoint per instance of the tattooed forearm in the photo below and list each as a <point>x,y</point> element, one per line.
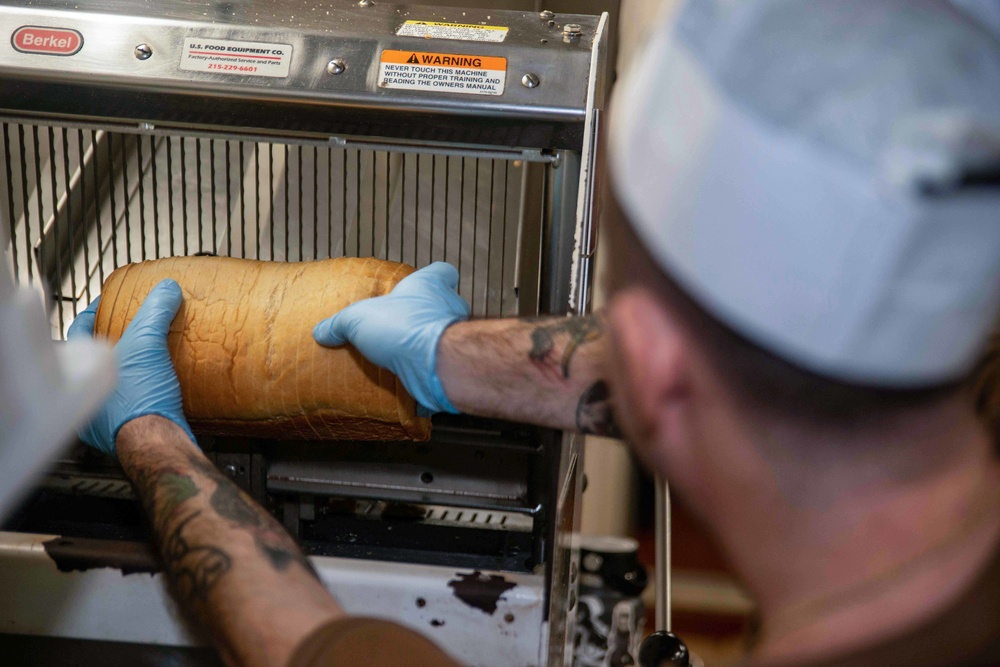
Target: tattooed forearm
<point>194,570</point>
<point>594,413</point>
<point>230,504</point>
<point>270,539</point>
<point>578,330</point>
<point>228,563</point>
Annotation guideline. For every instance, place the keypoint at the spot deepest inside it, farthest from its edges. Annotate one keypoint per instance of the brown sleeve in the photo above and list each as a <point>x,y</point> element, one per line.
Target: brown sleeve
<point>367,641</point>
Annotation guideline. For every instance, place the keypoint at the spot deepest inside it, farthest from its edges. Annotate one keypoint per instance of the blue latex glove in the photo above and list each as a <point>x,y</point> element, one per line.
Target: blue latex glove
<point>147,382</point>
<point>400,331</point>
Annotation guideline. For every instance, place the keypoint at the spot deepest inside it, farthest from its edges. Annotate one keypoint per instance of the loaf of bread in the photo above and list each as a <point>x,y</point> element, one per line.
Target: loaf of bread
<point>243,348</point>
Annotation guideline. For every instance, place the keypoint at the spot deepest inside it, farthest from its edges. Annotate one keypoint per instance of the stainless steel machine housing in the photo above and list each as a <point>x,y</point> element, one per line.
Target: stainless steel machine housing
<point>112,152</point>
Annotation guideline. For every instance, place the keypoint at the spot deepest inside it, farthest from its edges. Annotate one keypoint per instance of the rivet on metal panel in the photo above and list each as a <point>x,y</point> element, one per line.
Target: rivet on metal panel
<point>546,15</point>
<point>230,470</point>
<point>143,52</point>
<point>336,66</point>
<point>146,127</point>
<point>365,3</point>
<point>530,80</point>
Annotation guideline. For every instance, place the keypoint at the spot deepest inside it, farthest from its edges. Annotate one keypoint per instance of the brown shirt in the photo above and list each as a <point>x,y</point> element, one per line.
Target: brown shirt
<point>369,642</point>
<point>967,634</point>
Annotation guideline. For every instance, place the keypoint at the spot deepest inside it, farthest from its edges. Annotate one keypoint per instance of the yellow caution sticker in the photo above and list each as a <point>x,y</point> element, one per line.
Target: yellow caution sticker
<point>443,72</point>
<point>469,32</point>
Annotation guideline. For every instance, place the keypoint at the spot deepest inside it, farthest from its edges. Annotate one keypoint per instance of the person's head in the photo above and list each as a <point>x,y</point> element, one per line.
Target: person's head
<point>808,223</point>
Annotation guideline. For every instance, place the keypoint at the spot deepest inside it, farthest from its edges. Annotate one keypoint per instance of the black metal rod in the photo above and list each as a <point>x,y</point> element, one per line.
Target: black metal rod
<point>371,250</point>
<point>156,196</point>
<point>69,216</point>
<point>109,138</point>
<point>489,236</point>
<point>388,193</point>
<point>329,202</point>
<point>287,201</point>
<point>503,235</point>
<point>24,200</point>
<point>56,287</point>
<point>184,187</point>
<point>447,202</point>
<point>97,212</point>
<point>475,235</point>
<point>402,209</point>
<point>199,191</point>
<point>357,207</point>
<point>315,203</point>
<point>270,192</point>
<point>301,199</point>
<point>215,199</point>
<point>461,222</point>
<point>140,167</point>
<point>256,189</point>
<point>229,199</point>
<point>416,208</point>
<point>125,200</point>
<point>170,192</point>
<point>243,207</point>
<point>10,199</point>
<point>85,206</point>
<point>430,249</point>
<point>343,203</point>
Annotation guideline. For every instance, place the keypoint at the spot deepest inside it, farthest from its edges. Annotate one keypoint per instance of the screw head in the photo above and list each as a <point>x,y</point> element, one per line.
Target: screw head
<point>365,3</point>
<point>230,470</point>
<point>546,15</point>
<point>143,52</point>
<point>530,80</point>
<point>336,66</point>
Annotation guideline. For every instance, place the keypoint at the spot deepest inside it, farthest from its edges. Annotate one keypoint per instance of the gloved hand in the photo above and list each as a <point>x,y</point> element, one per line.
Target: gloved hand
<point>147,382</point>
<point>400,331</point>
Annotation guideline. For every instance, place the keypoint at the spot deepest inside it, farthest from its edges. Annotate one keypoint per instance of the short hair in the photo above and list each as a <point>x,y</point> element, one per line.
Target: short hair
<point>760,379</point>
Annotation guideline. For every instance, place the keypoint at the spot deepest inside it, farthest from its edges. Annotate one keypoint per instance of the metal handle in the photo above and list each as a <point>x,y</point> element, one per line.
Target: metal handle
<point>663,592</point>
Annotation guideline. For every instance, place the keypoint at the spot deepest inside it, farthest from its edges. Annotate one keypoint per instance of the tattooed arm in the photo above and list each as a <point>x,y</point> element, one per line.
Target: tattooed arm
<point>547,371</point>
<point>228,561</point>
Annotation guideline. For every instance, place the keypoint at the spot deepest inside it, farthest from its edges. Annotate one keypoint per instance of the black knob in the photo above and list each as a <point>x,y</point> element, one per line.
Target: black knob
<point>616,561</point>
<point>663,649</point>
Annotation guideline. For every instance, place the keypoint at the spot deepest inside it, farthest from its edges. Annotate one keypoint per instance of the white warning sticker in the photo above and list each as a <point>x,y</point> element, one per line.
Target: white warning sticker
<point>470,32</point>
<point>224,56</point>
<point>443,72</point>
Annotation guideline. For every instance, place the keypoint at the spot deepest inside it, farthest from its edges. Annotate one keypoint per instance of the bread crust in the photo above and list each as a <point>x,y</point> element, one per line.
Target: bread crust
<point>243,349</point>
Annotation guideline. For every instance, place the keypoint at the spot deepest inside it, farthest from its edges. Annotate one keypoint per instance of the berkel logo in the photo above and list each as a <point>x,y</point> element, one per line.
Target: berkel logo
<point>47,41</point>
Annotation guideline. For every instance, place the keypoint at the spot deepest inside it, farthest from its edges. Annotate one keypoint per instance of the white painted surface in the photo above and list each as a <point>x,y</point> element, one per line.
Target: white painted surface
<point>37,599</point>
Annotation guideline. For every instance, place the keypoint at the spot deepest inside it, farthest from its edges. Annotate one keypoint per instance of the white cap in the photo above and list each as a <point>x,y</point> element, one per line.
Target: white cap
<point>809,172</point>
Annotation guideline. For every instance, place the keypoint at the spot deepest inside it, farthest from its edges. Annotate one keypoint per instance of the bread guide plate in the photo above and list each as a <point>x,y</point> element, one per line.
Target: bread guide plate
<point>244,353</point>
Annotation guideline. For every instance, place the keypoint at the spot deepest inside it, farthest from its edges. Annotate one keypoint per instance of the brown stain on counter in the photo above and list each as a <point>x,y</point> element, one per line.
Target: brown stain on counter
<point>480,591</point>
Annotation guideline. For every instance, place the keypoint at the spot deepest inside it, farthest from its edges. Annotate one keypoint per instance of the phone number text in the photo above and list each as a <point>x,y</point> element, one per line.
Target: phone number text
<point>233,68</point>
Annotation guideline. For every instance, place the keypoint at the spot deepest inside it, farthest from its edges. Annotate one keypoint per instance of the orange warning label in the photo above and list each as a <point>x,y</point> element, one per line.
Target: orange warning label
<point>443,72</point>
<point>444,60</point>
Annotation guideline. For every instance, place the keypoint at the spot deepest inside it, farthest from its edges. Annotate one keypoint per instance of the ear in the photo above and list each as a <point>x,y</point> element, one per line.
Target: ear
<point>649,371</point>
